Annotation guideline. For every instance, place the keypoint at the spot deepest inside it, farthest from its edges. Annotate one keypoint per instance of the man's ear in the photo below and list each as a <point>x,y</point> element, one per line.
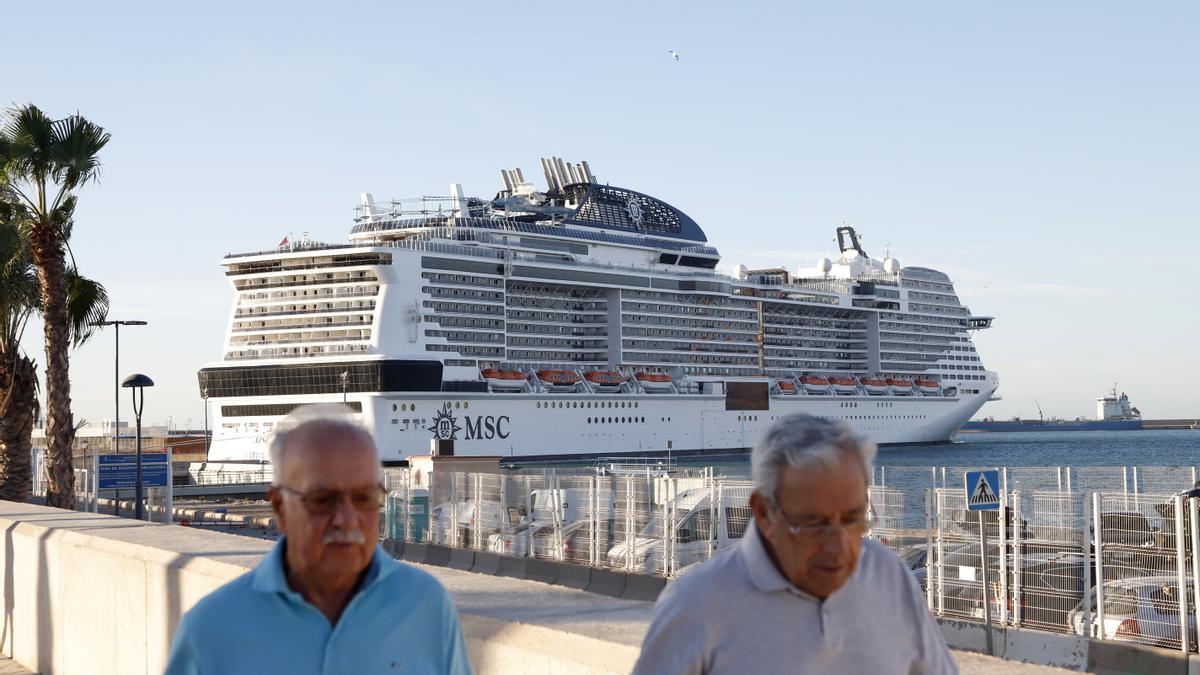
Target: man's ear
<point>761,509</point>
<point>275,496</point>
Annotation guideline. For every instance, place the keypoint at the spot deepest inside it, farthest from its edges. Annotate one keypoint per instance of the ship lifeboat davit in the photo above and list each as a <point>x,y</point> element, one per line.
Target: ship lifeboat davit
<point>655,381</point>
<point>559,380</point>
<point>786,386</point>
<point>504,380</point>
<point>815,385</point>
<point>900,387</point>
<point>929,387</point>
<point>604,380</point>
<point>874,386</point>
<point>843,385</point>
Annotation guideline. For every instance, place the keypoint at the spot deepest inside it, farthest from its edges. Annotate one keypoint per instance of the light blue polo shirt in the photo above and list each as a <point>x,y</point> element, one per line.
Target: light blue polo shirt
<point>401,621</point>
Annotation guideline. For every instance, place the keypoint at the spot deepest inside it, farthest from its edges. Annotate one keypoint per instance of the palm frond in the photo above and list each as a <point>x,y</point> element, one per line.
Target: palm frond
<point>19,296</point>
<point>75,150</point>
<point>62,217</point>
<point>87,304</point>
<point>29,136</point>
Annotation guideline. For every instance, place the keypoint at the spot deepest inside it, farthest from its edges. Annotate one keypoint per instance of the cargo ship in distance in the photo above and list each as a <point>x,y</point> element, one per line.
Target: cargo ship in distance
<point>1113,413</point>
<point>581,319</point>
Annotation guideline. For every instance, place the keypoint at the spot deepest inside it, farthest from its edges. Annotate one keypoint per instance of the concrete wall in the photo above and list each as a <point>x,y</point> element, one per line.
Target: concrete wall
<point>87,593</point>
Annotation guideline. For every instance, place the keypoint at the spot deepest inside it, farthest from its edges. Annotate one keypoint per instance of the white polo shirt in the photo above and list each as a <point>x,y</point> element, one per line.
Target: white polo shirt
<point>737,614</point>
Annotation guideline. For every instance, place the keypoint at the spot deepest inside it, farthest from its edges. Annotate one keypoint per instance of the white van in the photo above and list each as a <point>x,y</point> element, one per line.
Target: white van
<point>693,535</point>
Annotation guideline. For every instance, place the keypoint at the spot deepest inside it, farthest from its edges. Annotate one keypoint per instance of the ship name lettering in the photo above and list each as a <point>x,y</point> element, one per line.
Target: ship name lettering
<point>487,427</point>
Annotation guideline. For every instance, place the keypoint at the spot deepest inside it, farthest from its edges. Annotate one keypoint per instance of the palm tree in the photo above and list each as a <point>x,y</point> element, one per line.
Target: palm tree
<point>19,299</point>
<point>18,373</point>
<point>44,162</point>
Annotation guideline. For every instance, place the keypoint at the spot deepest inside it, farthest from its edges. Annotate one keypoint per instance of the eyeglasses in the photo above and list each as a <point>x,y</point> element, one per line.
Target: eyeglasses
<point>821,528</point>
<point>322,502</point>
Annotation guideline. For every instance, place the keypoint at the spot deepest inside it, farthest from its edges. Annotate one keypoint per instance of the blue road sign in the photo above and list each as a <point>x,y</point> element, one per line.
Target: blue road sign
<point>983,490</point>
<point>120,471</point>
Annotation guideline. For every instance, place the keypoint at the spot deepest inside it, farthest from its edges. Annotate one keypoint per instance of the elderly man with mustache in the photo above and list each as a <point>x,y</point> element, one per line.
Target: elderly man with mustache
<point>326,599</point>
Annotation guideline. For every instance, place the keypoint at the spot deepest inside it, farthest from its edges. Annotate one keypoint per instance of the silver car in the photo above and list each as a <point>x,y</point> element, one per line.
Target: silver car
<point>1139,609</point>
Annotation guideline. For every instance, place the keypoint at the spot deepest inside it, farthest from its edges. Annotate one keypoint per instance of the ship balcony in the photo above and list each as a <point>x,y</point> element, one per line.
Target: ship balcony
<point>359,307</point>
<point>979,322</point>
<point>283,297</point>
<point>238,326</point>
<point>302,282</point>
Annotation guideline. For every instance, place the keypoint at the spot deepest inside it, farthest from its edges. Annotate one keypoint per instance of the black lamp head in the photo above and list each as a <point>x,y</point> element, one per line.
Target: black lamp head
<point>137,380</point>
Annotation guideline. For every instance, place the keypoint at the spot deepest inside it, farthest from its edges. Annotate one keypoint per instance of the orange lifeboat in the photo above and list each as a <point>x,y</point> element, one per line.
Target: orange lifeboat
<point>654,381</point>
<point>604,380</point>
<point>900,387</point>
<point>844,385</point>
<point>874,386</point>
<point>494,374</point>
<point>786,386</point>
<point>509,380</point>
<point>929,387</point>
<point>815,385</point>
<point>558,380</point>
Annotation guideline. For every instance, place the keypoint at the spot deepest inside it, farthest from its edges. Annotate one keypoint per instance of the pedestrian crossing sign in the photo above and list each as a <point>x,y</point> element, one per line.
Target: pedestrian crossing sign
<point>983,490</point>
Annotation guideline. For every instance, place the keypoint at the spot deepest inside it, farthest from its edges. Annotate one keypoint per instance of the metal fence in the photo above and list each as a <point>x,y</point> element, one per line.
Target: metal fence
<point>1093,551</point>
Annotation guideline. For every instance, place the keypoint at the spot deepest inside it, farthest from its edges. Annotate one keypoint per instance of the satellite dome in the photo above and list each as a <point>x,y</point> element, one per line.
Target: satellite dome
<point>891,265</point>
<point>824,264</point>
<point>741,271</point>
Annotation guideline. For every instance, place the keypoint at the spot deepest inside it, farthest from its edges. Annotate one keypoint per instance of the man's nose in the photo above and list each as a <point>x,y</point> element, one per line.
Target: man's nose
<point>836,542</point>
<point>344,515</point>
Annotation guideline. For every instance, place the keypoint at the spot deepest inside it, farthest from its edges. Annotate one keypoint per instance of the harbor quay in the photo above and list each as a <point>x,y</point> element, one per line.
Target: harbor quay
<point>556,569</point>
<point>93,593</point>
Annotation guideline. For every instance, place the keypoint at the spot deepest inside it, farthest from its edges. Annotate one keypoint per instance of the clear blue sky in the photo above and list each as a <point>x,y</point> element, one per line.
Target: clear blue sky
<point>1043,154</point>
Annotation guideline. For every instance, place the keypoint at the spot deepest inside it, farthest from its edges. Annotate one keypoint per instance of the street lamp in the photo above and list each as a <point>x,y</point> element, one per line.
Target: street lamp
<point>138,383</point>
<point>117,376</point>
<point>345,381</point>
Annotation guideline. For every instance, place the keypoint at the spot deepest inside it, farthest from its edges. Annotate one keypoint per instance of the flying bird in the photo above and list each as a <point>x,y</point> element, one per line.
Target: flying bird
<point>674,54</point>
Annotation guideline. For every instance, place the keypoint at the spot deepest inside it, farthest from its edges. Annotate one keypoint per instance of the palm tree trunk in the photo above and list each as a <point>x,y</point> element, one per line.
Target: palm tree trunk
<point>18,403</point>
<point>49,258</point>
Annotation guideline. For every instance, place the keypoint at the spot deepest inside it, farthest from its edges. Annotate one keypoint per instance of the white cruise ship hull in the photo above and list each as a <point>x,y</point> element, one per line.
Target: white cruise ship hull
<point>581,425</point>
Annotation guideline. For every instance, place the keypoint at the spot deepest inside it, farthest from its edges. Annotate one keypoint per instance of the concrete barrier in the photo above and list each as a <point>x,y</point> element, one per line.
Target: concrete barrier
<point>89,593</point>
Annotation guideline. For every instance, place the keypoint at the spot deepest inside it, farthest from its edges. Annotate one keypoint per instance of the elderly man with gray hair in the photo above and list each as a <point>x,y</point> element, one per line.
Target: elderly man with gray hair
<point>326,599</point>
<point>803,592</point>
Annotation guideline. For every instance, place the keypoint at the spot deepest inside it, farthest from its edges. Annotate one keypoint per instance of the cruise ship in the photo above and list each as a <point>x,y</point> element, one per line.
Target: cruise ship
<point>580,319</point>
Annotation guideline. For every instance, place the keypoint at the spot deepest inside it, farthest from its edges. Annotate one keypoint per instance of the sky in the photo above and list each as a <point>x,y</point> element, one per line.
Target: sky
<point>1045,155</point>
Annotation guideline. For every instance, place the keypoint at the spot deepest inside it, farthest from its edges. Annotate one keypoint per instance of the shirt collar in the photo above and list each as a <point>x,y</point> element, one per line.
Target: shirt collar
<point>765,576</point>
<point>269,576</point>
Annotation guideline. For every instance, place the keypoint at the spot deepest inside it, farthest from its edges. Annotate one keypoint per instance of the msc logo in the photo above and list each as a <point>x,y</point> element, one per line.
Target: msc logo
<point>480,427</point>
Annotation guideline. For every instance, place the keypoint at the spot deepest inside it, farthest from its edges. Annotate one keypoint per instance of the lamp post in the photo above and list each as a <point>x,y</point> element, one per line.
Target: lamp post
<point>345,381</point>
<point>204,395</point>
<point>117,375</point>
<point>138,383</point>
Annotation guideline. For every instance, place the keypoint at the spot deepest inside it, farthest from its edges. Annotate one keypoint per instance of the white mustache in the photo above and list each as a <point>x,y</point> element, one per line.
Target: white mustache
<point>344,537</point>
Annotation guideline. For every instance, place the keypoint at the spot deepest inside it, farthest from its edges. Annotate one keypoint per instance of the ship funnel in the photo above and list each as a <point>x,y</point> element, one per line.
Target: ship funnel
<point>458,201</point>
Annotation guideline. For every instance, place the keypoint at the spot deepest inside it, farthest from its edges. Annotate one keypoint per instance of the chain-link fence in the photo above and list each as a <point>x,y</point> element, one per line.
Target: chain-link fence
<point>1095,551</point>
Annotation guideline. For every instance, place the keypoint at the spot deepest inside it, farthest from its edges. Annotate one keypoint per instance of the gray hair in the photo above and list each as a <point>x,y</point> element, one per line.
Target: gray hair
<point>326,418</point>
<point>805,442</point>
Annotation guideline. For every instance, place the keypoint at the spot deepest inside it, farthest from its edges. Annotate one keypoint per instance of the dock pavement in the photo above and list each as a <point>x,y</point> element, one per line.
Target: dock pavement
<point>624,622</point>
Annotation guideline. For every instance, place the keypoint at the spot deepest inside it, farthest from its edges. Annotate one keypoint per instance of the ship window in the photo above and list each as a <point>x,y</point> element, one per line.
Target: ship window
<point>263,409</point>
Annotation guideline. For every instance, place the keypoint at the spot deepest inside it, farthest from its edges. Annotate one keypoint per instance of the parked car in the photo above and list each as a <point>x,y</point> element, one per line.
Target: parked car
<point>1139,609</point>
<point>454,524</point>
<point>537,540</point>
<point>691,537</point>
